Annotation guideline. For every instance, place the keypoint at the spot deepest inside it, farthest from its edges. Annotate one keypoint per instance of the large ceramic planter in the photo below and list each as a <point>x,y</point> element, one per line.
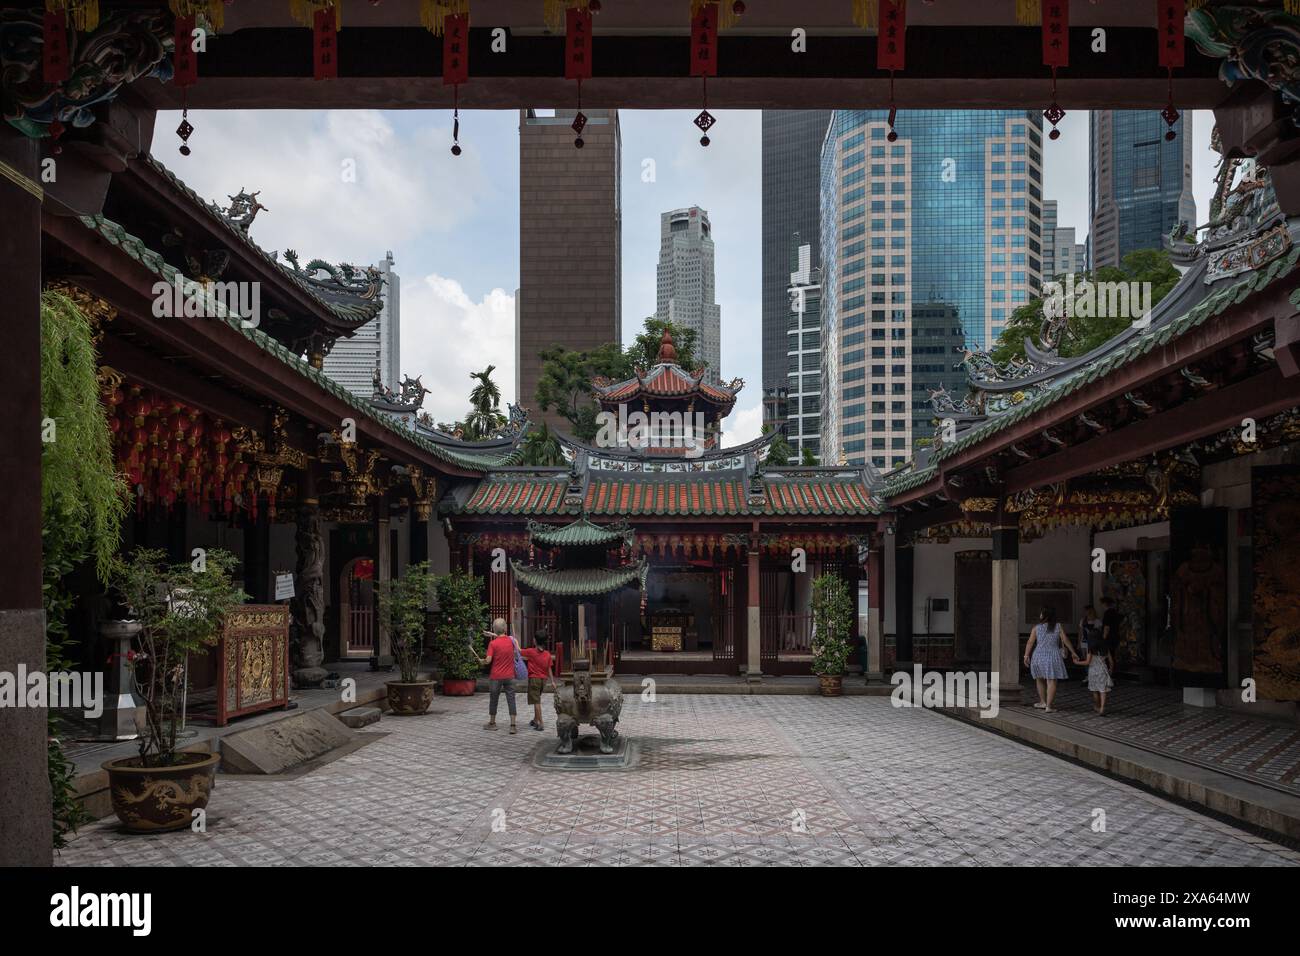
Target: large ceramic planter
<point>456,687</point>
<point>832,684</point>
<point>409,699</point>
<point>156,799</point>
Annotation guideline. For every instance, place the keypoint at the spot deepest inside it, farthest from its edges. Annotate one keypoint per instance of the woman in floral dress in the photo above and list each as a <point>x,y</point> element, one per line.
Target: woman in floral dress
<point>1045,657</point>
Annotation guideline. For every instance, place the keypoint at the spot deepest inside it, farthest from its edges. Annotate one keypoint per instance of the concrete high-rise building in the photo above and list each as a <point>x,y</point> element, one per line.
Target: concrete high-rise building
<point>949,216</point>
<point>1050,213</point>
<point>685,286</point>
<point>570,242</point>
<point>1139,183</point>
<point>352,361</point>
<point>792,143</point>
<point>1067,255</point>
<point>803,352</point>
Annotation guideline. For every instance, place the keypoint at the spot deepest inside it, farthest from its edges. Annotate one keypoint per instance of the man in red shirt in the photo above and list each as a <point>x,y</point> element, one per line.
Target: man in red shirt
<point>539,669</point>
<point>500,658</point>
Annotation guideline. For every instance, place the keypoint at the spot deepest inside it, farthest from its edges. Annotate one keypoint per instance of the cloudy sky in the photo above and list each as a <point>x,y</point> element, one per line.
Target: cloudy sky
<point>347,186</point>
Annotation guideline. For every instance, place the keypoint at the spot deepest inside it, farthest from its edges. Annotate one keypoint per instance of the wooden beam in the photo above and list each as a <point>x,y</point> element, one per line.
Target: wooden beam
<point>1258,397</point>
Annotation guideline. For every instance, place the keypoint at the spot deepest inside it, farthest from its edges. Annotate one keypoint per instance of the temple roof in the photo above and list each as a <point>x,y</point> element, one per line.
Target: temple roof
<point>793,492</point>
<point>492,454</point>
<point>667,379</point>
<point>579,582</point>
<point>578,534</point>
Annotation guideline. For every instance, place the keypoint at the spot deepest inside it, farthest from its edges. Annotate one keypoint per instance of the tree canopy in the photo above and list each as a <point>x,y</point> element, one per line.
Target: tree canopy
<point>1085,333</point>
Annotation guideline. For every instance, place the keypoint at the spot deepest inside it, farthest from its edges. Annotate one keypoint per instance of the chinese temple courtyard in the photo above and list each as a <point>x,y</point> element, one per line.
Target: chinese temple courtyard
<point>722,779</point>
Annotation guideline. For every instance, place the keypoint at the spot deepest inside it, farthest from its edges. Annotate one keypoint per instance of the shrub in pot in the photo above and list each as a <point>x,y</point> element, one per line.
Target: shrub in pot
<point>458,636</point>
<point>832,609</point>
<point>403,605</point>
<point>180,609</point>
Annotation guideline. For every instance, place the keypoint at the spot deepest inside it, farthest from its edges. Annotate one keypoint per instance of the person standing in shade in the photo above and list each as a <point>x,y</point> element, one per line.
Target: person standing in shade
<point>1111,621</point>
<point>501,652</point>
<point>1100,662</point>
<point>539,670</point>
<point>1090,626</point>
<point>1045,657</point>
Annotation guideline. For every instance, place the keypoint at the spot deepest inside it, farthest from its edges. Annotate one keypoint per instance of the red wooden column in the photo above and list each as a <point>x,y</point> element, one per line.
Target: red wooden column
<point>754,630</point>
<point>24,784</point>
<point>875,609</point>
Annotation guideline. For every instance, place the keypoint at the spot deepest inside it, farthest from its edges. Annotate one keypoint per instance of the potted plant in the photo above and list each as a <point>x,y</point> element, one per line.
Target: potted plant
<point>832,609</point>
<point>180,609</point>
<point>403,605</point>
<point>459,633</point>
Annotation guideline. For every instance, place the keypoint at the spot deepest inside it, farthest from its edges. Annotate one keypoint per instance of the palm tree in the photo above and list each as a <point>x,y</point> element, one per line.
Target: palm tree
<point>542,448</point>
<point>806,456</point>
<point>779,451</point>
<point>484,399</point>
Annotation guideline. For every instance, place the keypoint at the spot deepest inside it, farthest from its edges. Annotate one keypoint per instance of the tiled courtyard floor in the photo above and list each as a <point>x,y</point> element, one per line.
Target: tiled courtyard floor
<point>722,780</point>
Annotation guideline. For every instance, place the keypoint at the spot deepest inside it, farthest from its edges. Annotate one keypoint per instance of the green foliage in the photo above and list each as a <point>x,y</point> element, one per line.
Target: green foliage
<point>83,502</point>
<point>565,381</point>
<point>833,612</point>
<point>779,450</point>
<point>459,642</point>
<point>484,416</point>
<point>180,609</point>
<point>542,448</point>
<point>404,603</point>
<point>806,456</point>
<point>644,351</point>
<point>1087,333</point>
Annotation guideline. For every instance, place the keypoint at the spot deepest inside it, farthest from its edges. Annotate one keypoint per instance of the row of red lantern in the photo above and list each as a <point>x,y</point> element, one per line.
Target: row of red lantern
<point>171,452</point>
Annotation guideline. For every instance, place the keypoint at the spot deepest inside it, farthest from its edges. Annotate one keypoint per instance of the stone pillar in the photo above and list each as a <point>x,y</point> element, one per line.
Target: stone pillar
<point>383,571</point>
<point>25,820</point>
<point>1006,605</point>
<point>754,631</point>
<point>308,604</point>
<point>904,555</point>
<point>875,611</point>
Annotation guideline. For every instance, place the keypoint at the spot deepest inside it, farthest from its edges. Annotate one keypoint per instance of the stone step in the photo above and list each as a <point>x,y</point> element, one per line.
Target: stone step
<point>360,716</point>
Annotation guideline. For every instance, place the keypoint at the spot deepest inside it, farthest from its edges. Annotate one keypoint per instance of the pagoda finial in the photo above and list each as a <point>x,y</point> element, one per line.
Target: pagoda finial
<point>667,354</point>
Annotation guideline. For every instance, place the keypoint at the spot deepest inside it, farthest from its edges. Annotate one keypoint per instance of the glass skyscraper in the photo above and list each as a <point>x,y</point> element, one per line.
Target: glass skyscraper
<point>949,217</point>
<point>1139,183</point>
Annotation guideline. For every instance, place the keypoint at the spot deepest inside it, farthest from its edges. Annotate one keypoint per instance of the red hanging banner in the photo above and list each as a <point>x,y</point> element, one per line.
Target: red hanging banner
<point>577,44</point>
<point>1056,32</point>
<point>455,49</point>
<point>704,41</point>
<point>325,45</point>
<point>1169,25</point>
<point>185,62</point>
<point>54,48</point>
<point>890,42</point>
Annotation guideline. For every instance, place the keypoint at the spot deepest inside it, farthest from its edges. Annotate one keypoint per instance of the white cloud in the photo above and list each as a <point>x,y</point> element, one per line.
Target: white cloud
<point>743,424</point>
<point>446,335</point>
<point>341,185</point>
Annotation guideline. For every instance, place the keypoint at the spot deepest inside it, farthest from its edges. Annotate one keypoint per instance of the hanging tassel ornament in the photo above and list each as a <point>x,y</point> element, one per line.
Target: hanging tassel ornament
<point>891,48</point>
<point>578,48</point>
<point>434,13</point>
<point>455,66</point>
<point>866,14</point>
<point>1169,26</point>
<point>304,11</point>
<point>1028,12</point>
<point>704,58</point>
<point>728,12</point>
<point>210,14</point>
<point>81,15</point>
<point>1056,52</point>
<point>555,12</point>
<point>185,130</point>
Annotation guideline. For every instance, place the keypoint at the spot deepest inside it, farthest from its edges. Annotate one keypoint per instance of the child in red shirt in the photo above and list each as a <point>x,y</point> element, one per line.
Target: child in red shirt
<point>539,669</point>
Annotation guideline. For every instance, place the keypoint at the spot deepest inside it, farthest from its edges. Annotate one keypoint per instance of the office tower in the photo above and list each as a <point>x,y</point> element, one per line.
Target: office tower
<point>685,287</point>
<point>949,216</point>
<point>803,352</point>
<point>352,361</point>
<point>570,242</point>
<point>792,143</point>
<point>1139,183</point>
<point>1050,209</point>
<point>1068,256</point>
<point>938,341</point>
